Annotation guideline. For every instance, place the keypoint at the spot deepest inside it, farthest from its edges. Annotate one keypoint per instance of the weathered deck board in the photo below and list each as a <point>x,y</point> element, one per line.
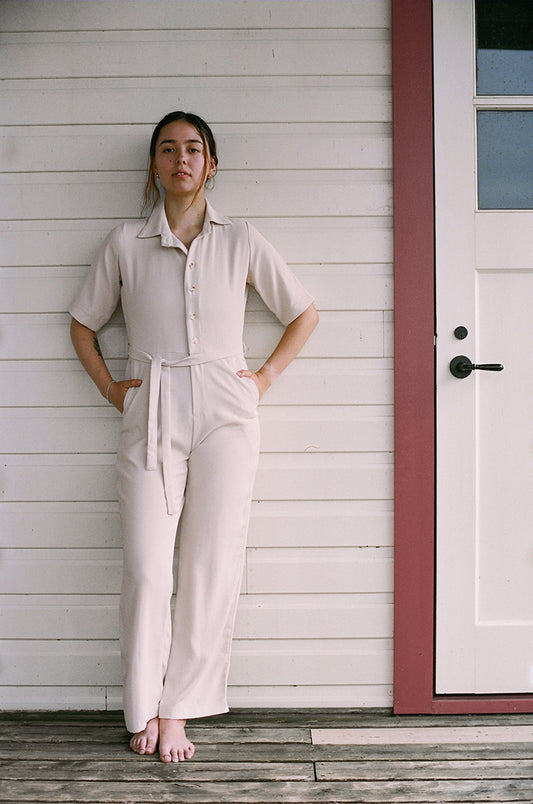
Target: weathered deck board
<point>309,801</point>
<point>89,771</point>
<point>439,734</point>
<point>104,734</point>
<point>453,769</point>
<point>313,718</point>
<point>248,792</point>
<point>275,752</point>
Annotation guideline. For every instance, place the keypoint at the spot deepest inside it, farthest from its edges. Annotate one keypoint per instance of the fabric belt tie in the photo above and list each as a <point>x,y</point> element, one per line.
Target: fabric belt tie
<point>160,390</point>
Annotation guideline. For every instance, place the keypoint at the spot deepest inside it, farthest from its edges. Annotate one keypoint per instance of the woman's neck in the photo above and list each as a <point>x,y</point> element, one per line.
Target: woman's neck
<point>182,215</point>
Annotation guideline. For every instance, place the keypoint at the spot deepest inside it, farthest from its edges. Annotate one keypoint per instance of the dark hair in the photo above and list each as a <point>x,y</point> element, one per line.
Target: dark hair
<point>151,190</point>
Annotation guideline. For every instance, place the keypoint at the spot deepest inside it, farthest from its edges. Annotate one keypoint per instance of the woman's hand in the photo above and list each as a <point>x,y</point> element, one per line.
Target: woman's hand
<point>262,382</point>
<point>118,390</point>
<point>88,350</point>
<point>291,342</point>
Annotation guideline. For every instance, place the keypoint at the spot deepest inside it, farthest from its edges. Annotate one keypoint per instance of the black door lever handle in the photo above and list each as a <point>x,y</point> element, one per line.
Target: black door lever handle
<point>462,367</point>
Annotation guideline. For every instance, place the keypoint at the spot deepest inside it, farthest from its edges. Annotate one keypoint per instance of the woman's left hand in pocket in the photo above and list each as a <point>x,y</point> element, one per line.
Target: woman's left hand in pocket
<point>259,379</point>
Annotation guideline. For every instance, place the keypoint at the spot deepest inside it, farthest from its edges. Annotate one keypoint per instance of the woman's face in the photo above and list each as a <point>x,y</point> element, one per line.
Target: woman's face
<point>180,158</point>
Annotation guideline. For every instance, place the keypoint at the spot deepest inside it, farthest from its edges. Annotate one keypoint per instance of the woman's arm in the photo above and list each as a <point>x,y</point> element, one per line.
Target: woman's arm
<point>88,350</point>
<point>290,344</point>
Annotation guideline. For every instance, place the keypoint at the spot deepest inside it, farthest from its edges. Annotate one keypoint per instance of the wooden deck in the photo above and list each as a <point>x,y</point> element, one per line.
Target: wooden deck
<point>262,756</point>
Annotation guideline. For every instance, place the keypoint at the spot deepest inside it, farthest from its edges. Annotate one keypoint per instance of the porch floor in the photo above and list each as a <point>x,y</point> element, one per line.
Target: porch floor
<point>264,756</point>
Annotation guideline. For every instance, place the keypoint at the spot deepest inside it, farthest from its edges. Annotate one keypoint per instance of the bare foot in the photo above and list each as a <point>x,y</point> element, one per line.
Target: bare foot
<point>173,743</point>
<point>145,742</point>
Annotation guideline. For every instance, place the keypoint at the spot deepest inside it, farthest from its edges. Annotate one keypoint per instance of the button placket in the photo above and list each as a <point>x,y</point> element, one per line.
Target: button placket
<point>192,305</point>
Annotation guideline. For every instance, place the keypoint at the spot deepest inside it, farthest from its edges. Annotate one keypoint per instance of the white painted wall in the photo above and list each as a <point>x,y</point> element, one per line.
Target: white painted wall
<point>298,94</point>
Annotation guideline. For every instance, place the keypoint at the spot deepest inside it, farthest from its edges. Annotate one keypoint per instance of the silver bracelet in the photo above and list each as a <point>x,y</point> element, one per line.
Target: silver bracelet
<point>107,391</point>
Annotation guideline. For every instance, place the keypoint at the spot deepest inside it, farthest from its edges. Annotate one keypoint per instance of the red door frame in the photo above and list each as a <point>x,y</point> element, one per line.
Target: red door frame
<point>414,263</point>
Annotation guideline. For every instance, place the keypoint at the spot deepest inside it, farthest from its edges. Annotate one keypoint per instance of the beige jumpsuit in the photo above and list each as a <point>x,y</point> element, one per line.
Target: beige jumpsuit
<point>188,448</point>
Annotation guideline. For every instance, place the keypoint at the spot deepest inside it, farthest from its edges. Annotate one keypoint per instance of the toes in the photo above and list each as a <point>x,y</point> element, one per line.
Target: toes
<point>138,745</point>
<point>145,742</point>
<point>151,744</point>
<point>175,755</point>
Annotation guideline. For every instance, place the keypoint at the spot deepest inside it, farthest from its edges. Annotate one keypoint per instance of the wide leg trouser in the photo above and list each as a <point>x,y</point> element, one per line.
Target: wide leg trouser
<point>179,668</point>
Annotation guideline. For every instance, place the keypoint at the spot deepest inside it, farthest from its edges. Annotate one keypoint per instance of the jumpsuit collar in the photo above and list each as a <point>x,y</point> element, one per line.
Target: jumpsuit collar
<point>157,225</point>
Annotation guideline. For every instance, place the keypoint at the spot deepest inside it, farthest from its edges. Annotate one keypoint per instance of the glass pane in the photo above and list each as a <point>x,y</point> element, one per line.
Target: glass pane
<point>504,47</point>
<point>505,160</point>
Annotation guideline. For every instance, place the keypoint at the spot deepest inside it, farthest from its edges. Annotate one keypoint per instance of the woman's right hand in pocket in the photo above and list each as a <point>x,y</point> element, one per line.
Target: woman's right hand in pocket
<point>117,392</point>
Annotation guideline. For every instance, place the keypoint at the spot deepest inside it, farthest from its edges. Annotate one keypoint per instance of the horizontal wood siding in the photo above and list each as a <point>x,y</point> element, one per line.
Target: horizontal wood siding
<point>298,94</point>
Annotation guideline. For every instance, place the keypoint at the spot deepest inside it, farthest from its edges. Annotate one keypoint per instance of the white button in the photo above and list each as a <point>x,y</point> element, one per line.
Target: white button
<point>195,341</point>
<point>191,265</point>
<point>193,315</point>
<point>192,288</point>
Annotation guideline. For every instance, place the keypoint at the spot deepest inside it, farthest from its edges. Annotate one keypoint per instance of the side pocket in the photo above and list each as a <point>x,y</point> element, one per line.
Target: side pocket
<point>127,399</point>
<point>256,389</point>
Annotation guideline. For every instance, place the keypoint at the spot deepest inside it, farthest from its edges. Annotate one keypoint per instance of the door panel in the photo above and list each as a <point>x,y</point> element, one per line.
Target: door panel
<point>484,283</point>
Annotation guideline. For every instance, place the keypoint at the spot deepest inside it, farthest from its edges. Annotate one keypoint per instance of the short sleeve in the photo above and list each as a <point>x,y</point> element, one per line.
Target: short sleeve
<point>270,275</point>
<point>98,296</point>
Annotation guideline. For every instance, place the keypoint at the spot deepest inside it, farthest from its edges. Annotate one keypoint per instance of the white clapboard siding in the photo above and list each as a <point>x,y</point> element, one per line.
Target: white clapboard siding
<point>58,15</point>
<point>281,476</point>
<point>28,243</point>
<point>367,286</point>
<point>59,524</point>
<point>283,429</point>
<point>99,195</point>
<point>353,145</point>
<point>84,101</point>
<point>240,53</point>
<point>306,381</point>
<point>319,569</point>
<point>299,97</point>
<point>59,616</point>
<point>46,697</point>
<point>301,696</point>
<point>307,660</point>
<point>278,523</point>
<point>341,334</point>
<point>60,662</point>
<point>302,661</point>
<point>340,616</point>
<point>51,697</point>
<point>357,523</point>
<point>88,571</point>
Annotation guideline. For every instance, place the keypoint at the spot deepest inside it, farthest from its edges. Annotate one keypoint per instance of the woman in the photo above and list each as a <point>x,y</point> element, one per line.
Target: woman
<point>189,442</point>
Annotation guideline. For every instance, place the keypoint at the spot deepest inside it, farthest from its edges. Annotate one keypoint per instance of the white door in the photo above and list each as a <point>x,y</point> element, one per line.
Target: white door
<point>484,257</point>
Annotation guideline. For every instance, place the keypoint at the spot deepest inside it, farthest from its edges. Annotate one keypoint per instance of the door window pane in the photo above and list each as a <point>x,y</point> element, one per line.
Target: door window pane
<point>505,159</point>
<point>504,30</point>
